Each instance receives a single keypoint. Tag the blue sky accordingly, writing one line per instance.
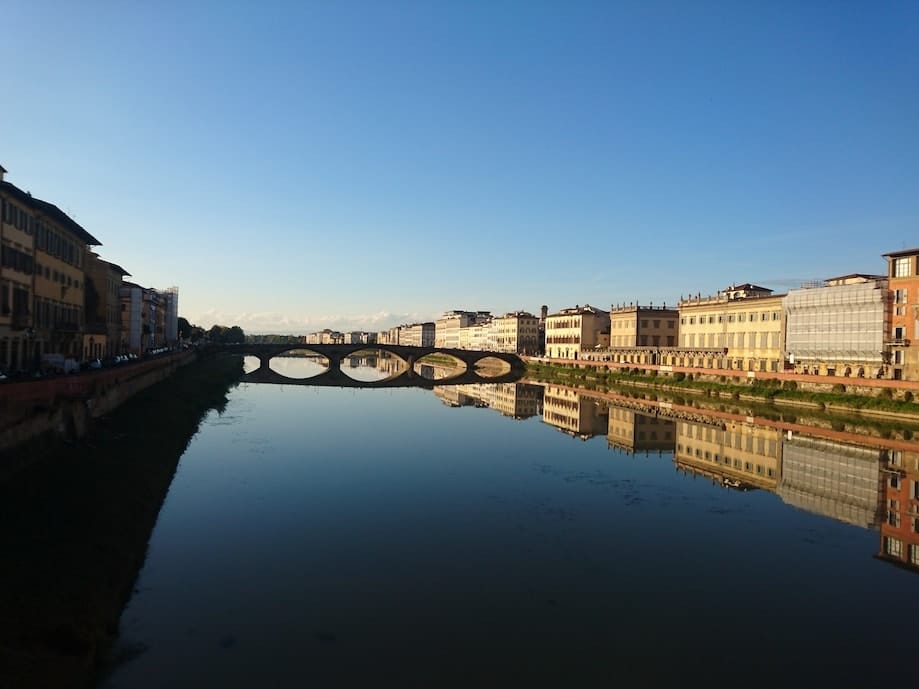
(299, 165)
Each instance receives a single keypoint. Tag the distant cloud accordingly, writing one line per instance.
(284, 324)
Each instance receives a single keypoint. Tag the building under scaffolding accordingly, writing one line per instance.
(838, 328)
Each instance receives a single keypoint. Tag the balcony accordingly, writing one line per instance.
(897, 342)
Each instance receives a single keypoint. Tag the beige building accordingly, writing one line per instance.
(643, 326)
(573, 413)
(738, 455)
(902, 338)
(17, 231)
(838, 327)
(478, 336)
(745, 322)
(417, 335)
(575, 331)
(516, 332)
(635, 432)
(447, 328)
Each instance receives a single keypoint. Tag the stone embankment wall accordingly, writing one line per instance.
(66, 405)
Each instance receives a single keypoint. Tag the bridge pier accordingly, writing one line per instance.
(264, 362)
(334, 363)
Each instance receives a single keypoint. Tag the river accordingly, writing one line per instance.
(519, 535)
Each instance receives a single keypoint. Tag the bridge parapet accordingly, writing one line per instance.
(335, 353)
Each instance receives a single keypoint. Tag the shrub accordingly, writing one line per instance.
(839, 387)
(679, 376)
(907, 396)
(886, 393)
(790, 385)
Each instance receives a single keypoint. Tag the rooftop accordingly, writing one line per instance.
(902, 252)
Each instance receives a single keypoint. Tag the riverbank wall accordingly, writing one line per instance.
(65, 406)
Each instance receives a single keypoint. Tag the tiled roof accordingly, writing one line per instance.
(51, 211)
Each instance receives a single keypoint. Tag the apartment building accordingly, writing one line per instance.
(643, 326)
(902, 338)
(574, 331)
(148, 317)
(17, 237)
(60, 249)
(417, 335)
(516, 332)
(479, 336)
(102, 334)
(838, 327)
(746, 322)
(447, 328)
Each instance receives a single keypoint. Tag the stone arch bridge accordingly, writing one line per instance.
(336, 353)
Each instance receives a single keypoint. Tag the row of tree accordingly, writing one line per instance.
(217, 333)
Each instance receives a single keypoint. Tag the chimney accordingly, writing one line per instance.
(2, 172)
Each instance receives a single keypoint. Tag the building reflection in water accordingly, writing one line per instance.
(634, 432)
(578, 415)
(867, 483)
(833, 479)
(733, 454)
(515, 400)
(900, 508)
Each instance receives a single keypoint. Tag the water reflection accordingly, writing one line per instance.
(390, 537)
(869, 482)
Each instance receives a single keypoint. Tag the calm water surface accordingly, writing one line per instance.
(319, 537)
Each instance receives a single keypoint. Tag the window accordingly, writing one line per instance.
(900, 296)
(894, 481)
(914, 554)
(901, 267)
(893, 546)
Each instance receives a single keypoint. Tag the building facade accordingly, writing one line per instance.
(643, 326)
(447, 327)
(17, 231)
(745, 322)
(516, 332)
(902, 337)
(839, 327)
(574, 331)
(417, 335)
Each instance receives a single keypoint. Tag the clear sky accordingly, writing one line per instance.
(298, 165)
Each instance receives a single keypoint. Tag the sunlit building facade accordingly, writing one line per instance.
(744, 322)
(572, 332)
(902, 336)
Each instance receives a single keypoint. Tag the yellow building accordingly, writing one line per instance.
(738, 455)
(447, 328)
(516, 332)
(902, 339)
(17, 231)
(643, 326)
(635, 432)
(573, 413)
(60, 248)
(745, 320)
(570, 333)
